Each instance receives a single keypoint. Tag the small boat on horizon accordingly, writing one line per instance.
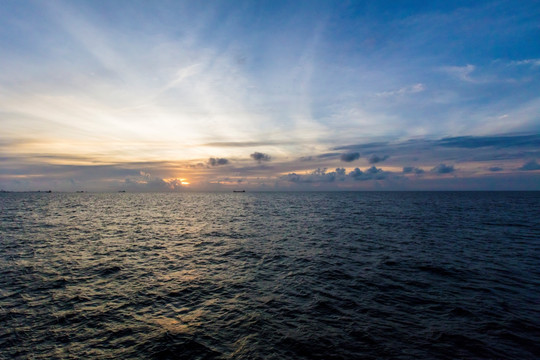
(239, 190)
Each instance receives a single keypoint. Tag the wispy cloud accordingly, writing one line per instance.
(413, 89)
(251, 144)
(531, 62)
(462, 73)
(330, 155)
(490, 141)
(194, 88)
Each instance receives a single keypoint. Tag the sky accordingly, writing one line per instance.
(269, 95)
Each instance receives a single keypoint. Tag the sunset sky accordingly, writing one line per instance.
(269, 95)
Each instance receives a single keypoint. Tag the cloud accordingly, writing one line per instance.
(465, 142)
(154, 184)
(412, 170)
(495, 169)
(322, 176)
(443, 169)
(376, 159)
(156, 176)
(372, 145)
(144, 175)
(351, 156)
(319, 175)
(217, 161)
(531, 62)
(89, 172)
(327, 155)
(486, 141)
(230, 180)
(246, 96)
(370, 174)
(416, 88)
(461, 72)
(530, 166)
(453, 149)
(199, 165)
(146, 182)
(258, 169)
(259, 157)
(330, 155)
(247, 143)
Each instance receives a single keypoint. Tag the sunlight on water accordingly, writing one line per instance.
(270, 275)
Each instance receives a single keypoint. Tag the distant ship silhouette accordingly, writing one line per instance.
(239, 190)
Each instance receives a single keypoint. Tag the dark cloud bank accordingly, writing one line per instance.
(472, 142)
(456, 149)
(464, 142)
(322, 175)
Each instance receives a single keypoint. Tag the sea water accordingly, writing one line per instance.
(314, 275)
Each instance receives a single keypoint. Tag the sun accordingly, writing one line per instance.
(175, 182)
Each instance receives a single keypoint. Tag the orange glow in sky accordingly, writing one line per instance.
(202, 91)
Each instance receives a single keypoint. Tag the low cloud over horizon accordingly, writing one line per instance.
(414, 165)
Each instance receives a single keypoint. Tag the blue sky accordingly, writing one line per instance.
(270, 95)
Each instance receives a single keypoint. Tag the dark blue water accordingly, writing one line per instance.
(349, 275)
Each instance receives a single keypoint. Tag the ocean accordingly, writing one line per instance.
(270, 275)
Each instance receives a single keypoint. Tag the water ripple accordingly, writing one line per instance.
(270, 276)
